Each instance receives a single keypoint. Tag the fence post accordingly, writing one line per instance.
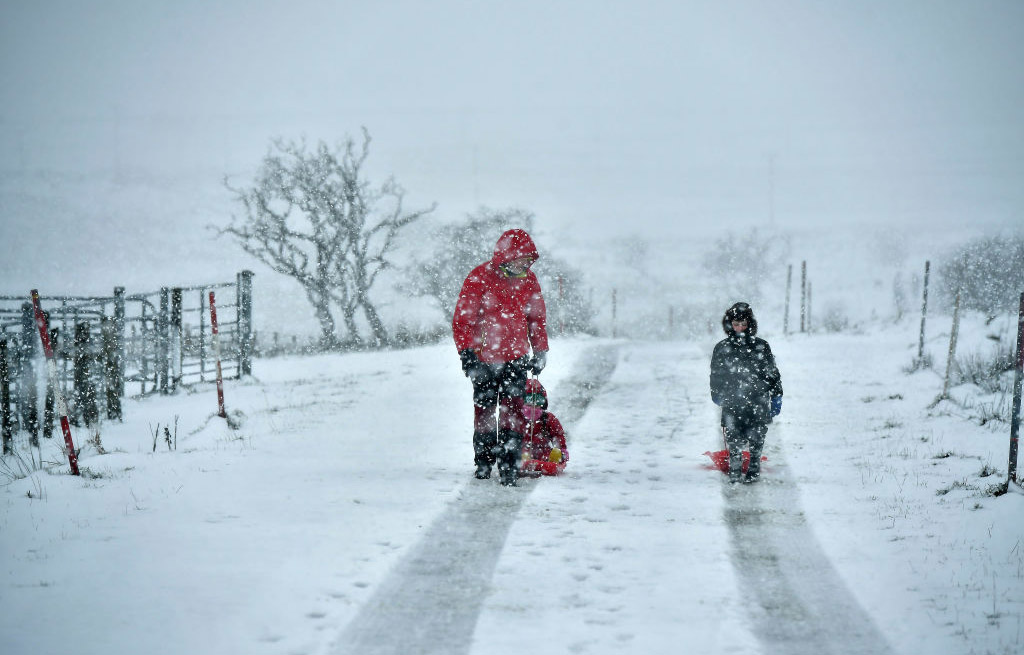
(202, 335)
(1017, 375)
(85, 390)
(951, 360)
(143, 360)
(49, 415)
(51, 369)
(924, 313)
(809, 307)
(111, 367)
(119, 341)
(245, 332)
(28, 407)
(176, 337)
(216, 353)
(614, 309)
(163, 347)
(789, 285)
(803, 295)
(5, 400)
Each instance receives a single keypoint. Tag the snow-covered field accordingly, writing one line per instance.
(341, 515)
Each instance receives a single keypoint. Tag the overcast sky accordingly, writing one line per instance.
(633, 114)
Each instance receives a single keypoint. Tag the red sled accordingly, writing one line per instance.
(720, 458)
(534, 468)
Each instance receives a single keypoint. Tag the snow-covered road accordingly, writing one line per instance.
(431, 601)
(641, 549)
(795, 598)
(681, 559)
(342, 518)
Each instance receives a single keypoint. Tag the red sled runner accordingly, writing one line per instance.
(720, 458)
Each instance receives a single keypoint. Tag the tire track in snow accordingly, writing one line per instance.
(430, 602)
(799, 604)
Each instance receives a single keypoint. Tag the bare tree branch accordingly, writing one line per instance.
(311, 215)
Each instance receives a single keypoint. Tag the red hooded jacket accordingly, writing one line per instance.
(542, 435)
(497, 316)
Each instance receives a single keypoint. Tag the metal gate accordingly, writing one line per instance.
(110, 346)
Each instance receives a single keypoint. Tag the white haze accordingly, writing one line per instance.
(663, 122)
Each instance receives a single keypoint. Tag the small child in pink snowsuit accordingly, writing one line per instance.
(544, 448)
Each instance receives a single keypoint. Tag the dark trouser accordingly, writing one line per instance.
(498, 421)
(740, 431)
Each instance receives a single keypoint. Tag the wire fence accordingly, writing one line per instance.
(107, 347)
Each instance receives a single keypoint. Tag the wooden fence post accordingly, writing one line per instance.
(803, 295)
(85, 389)
(176, 352)
(785, 315)
(202, 335)
(28, 407)
(49, 415)
(143, 360)
(163, 345)
(951, 360)
(1017, 375)
(5, 401)
(41, 321)
(216, 353)
(111, 367)
(245, 331)
(614, 310)
(809, 306)
(119, 341)
(924, 313)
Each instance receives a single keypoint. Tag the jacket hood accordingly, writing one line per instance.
(533, 385)
(514, 244)
(739, 311)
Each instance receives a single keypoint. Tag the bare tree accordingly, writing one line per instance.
(464, 245)
(743, 262)
(988, 271)
(311, 215)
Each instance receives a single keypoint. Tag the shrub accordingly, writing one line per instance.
(989, 273)
(987, 371)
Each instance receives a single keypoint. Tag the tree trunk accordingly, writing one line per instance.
(380, 333)
(322, 310)
(349, 316)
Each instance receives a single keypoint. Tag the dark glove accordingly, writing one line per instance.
(470, 361)
(539, 361)
(776, 405)
(715, 399)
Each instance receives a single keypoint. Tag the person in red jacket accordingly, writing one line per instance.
(544, 448)
(499, 319)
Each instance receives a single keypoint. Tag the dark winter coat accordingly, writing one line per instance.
(744, 377)
(500, 318)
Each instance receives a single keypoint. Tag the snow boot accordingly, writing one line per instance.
(484, 445)
(509, 477)
(509, 453)
(754, 468)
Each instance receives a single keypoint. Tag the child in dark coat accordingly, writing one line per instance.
(746, 384)
(544, 448)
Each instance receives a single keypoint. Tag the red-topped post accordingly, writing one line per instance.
(51, 370)
(216, 353)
